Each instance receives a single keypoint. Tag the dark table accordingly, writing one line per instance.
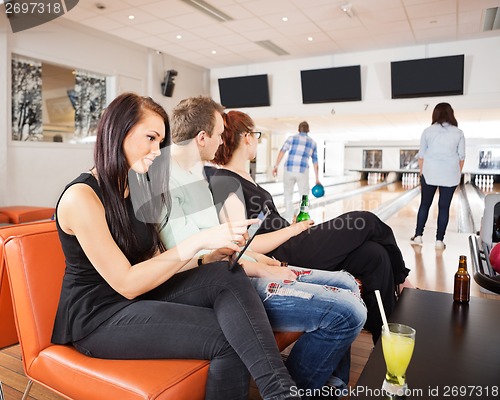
(457, 349)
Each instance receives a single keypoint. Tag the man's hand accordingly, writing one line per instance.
(217, 255)
(260, 270)
(278, 273)
(263, 259)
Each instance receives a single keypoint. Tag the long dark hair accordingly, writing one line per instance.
(122, 114)
(444, 113)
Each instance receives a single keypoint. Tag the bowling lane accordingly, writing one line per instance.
(490, 188)
(433, 269)
(322, 211)
(276, 189)
(430, 269)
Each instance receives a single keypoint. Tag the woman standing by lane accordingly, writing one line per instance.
(441, 159)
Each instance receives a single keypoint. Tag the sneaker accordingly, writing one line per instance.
(417, 240)
(440, 245)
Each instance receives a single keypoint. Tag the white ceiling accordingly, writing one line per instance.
(377, 24)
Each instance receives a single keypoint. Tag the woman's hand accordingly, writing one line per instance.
(299, 227)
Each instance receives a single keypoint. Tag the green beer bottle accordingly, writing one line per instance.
(303, 214)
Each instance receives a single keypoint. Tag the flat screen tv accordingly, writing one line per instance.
(331, 85)
(244, 91)
(428, 77)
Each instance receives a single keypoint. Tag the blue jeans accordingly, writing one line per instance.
(426, 198)
(327, 307)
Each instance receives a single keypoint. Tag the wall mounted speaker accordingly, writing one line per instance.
(168, 84)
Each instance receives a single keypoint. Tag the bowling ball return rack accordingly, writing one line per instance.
(480, 246)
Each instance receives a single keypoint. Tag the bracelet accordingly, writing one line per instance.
(200, 260)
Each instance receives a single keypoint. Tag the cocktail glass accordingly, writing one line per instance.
(397, 343)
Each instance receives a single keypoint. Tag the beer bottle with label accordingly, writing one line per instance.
(461, 289)
(303, 214)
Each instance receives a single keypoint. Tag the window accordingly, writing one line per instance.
(52, 103)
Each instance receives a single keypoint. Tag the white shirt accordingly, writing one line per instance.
(442, 147)
(192, 208)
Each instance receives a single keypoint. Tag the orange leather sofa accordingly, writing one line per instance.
(8, 334)
(23, 214)
(35, 263)
(4, 218)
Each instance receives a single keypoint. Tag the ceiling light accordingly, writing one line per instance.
(179, 37)
(268, 45)
(310, 38)
(208, 9)
(131, 17)
(347, 9)
(284, 19)
(214, 52)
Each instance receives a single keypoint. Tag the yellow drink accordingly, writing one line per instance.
(397, 346)
(397, 354)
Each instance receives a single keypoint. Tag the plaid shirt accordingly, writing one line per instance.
(300, 147)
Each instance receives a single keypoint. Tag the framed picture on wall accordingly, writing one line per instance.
(489, 158)
(372, 159)
(408, 159)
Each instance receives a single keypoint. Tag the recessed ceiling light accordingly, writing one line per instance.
(310, 38)
(284, 19)
(214, 52)
(347, 9)
(179, 37)
(131, 17)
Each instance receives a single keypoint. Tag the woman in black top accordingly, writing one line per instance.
(358, 241)
(125, 297)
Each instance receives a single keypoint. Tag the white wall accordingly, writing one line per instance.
(481, 91)
(3, 111)
(481, 80)
(35, 173)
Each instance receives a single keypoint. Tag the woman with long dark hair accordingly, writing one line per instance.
(125, 297)
(441, 159)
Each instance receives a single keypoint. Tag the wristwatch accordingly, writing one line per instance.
(200, 260)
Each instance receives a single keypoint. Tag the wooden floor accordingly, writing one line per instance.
(430, 270)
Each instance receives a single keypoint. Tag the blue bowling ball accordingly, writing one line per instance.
(318, 190)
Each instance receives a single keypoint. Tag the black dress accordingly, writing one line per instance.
(357, 242)
(86, 299)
